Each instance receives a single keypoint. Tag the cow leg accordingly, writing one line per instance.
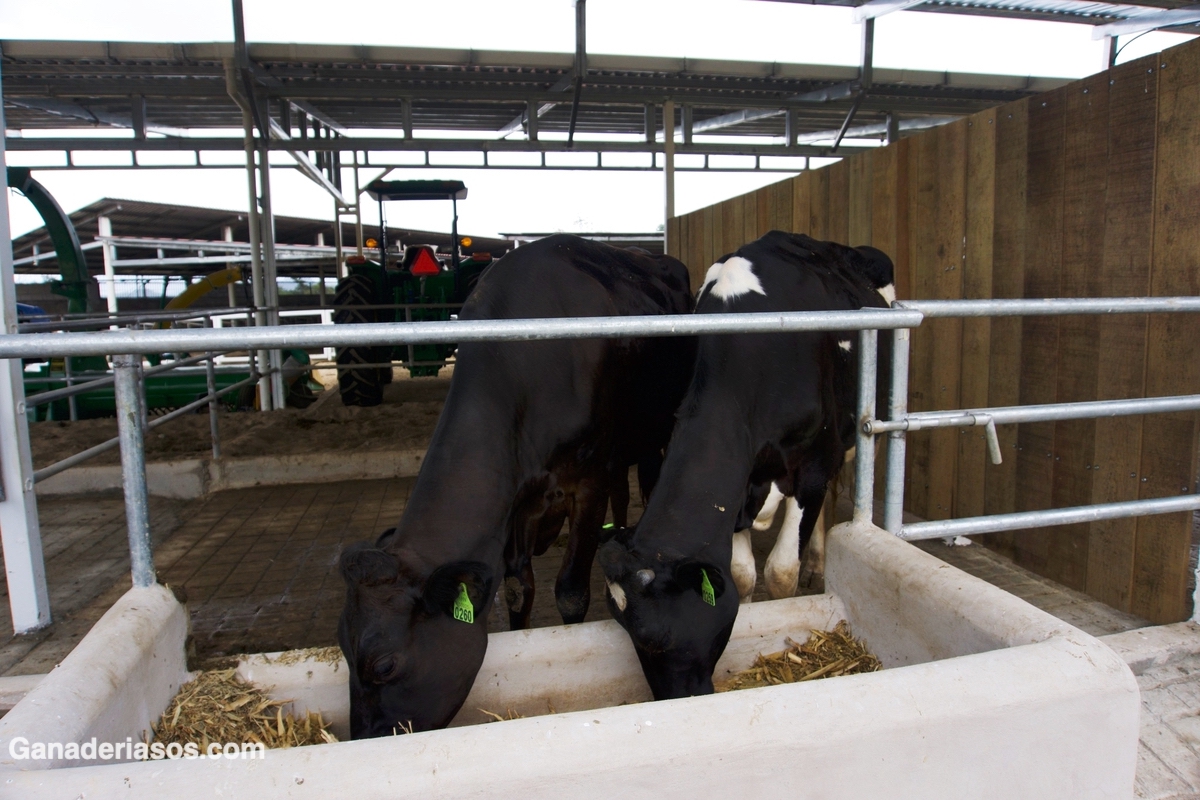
(782, 572)
(742, 566)
(572, 590)
(812, 564)
(766, 515)
(518, 593)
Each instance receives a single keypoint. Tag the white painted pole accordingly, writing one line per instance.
(227, 234)
(669, 163)
(24, 566)
(110, 274)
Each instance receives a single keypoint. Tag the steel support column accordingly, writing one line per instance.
(24, 565)
(270, 271)
(131, 428)
(864, 453)
(256, 269)
(669, 163)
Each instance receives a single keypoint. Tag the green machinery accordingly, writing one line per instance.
(422, 286)
(170, 390)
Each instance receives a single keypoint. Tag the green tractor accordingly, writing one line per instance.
(425, 285)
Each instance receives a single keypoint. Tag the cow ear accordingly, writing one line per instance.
(693, 576)
(615, 559)
(459, 590)
(365, 565)
(385, 537)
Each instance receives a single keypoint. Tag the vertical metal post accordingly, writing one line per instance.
(337, 246)
(256, 270)
(133, 467)
(411, 353)
(72, 406)
(24, 566)
(358, 231)
(893, 503)
(454, 259)
(227, 235)
(893, 128)
(104, 224)
(531, 125)
(270, 273)
(669, 161)
(211, 374)
(864, 454)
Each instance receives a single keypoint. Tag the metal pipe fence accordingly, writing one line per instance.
(125, 345)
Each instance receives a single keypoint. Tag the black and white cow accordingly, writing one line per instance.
(532, 434)
(763, 412)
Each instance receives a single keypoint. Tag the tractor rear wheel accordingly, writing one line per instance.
(359, 386)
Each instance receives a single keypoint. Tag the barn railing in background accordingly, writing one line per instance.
(126, 345)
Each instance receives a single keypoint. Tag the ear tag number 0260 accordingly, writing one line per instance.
(463, 610)
(706, 589)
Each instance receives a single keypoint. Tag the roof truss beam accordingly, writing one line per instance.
(1148, 22)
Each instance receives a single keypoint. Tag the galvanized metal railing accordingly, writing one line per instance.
(126, 345)
(901, 421)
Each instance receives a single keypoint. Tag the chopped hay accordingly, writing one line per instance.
(826, 654)
(323, 655)
(219, 707)
(492, 716)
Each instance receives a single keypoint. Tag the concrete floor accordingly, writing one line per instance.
(258, 570)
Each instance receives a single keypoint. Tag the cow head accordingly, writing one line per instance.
(413, 641)
(677, 612)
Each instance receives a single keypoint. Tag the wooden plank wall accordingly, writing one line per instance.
(1090, 190)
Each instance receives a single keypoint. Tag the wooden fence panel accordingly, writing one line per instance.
(976, 283)
(1085, 172)
(1039, 347)
(1121, 341)
(801, 202)
(1169, 440)
(1008, 281)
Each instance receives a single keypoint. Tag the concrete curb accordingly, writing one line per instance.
(188, 479)
(1146, 648)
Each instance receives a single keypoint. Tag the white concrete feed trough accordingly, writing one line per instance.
(982, 696)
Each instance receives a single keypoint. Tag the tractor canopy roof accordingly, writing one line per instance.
(417, 190)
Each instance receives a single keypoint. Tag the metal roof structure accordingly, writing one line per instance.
(476, 100)
(1145, 14)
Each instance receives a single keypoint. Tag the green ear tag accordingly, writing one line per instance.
(706, 590)
(606, 526)
(464, 611)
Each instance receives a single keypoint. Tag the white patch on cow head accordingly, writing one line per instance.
(732, 278)
(645, 577)
(618, 595)
(845, 345)
(888, 293)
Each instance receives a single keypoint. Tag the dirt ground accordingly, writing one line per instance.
(404, 421)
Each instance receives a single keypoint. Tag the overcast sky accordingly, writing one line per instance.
(529, 200)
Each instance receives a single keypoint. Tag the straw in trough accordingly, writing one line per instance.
(826, 654)
(219, 707)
